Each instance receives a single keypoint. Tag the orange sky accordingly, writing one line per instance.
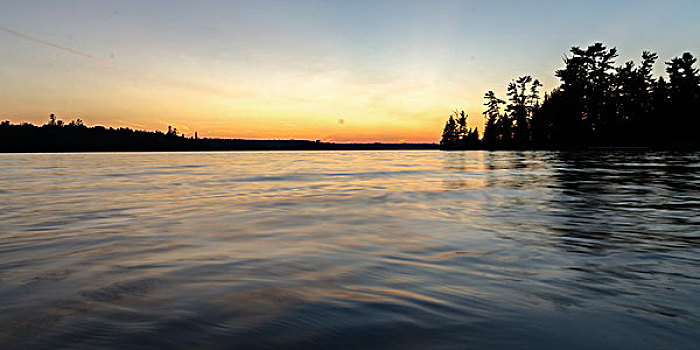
(265, 102)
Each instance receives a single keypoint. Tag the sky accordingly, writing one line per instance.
(343, 71)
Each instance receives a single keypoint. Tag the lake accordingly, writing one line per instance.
(355, 249)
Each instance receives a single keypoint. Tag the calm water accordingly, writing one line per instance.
(407, 249)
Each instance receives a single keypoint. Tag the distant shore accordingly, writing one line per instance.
(239, 145)
(74, 136)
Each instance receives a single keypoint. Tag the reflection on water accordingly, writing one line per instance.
(411, 249)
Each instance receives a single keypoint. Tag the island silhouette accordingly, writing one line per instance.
(597, 105)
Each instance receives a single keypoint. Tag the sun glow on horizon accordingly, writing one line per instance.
(269, 103)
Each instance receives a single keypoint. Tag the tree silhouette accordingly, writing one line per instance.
(492, 134)
(684, 96)
(449, 134)
(457, 135)
(523, 102)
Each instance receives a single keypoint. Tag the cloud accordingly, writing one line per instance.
(62, 48)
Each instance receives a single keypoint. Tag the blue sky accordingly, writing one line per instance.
(392, 70)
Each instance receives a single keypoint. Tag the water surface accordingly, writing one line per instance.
(386, 249)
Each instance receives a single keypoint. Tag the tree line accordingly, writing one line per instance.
(59, 136)
(75, 136)
(597, 104)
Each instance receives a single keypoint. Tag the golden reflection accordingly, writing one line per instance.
(397, 294)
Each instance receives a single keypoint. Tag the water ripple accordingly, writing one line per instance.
(380, 249)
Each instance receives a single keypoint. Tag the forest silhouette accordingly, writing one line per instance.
(57, 136)
(75, 136)
(597, 104)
